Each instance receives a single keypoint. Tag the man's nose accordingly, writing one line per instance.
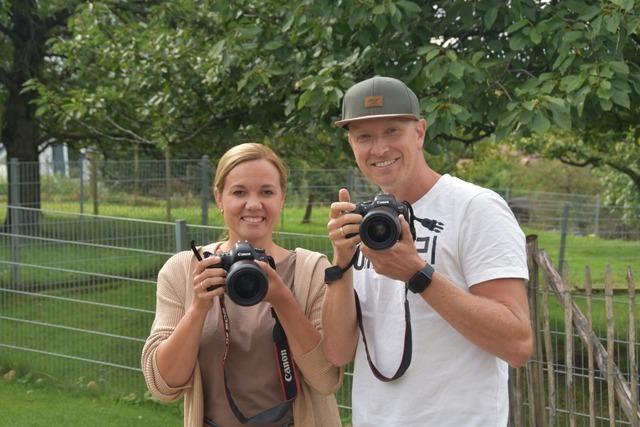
(379, 147)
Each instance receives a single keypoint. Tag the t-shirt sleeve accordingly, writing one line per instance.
(492, 244)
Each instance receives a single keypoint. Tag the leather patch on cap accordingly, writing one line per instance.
(373, 101)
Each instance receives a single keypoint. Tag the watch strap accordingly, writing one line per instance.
(335, 272)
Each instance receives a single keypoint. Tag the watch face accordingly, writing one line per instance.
(421, 280)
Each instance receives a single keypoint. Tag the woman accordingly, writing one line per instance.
(185, 350)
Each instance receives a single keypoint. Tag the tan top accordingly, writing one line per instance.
(250, 356)
(315, 405)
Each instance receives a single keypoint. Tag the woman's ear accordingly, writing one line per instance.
(217, 195)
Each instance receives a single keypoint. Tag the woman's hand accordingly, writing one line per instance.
(277, 292)
(208, 282)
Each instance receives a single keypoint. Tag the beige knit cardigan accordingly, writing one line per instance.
(315, 405)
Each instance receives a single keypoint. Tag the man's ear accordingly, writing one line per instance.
(421, 130)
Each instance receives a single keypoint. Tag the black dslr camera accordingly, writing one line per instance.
(380, 228)
(246, 283)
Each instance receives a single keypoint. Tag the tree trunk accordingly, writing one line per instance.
(307, 212)
(20, 133)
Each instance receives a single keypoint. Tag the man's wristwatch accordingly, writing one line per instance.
(421, 280)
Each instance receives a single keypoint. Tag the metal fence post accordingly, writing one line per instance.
(563, 235)
(94, 181)
(81, 167)
(181, 235)
(204, 188)
(167, 180)
(15, 219)
(596, 230)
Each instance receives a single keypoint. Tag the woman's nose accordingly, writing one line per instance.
(254, 203)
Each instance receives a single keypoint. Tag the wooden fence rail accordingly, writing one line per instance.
(535, 402)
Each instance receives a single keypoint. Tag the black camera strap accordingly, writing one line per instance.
(406, 352)
(286, 370)
(433, 225)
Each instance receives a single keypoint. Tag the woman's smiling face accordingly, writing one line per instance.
(251, 200)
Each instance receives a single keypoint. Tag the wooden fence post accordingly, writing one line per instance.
(568, 333)
(536, 390)
(608, 297)
(548, 350)
(592, 387)
(633, 371)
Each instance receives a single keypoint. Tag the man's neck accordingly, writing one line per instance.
(419, 186)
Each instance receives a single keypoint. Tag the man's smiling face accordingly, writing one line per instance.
(388, 151)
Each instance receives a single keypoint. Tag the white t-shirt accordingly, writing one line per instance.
(451, 381)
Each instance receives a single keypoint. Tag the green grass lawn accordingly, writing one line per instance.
(30, 405)
(28, 401)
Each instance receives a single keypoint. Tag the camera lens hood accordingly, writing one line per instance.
(380, 228)
(246, 283)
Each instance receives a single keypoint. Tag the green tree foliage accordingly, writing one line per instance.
(199, 76)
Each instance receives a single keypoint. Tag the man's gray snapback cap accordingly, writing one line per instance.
(379, 97)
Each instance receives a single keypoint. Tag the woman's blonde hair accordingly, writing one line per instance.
(245, 153)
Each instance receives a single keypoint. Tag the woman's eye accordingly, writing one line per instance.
(238, 193)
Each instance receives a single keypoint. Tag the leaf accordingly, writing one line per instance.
(571, 83)
(621, 98)
(456, 69)
(517, 26)
(490, 17)
(619, 67)
(535, 36)
(304, 99)
(378, 10)
(540, 123)
(409, 6)
(612, 22)
(517, 42)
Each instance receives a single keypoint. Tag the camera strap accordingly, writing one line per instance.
(286, 369)
(431, 224)
(406, 352)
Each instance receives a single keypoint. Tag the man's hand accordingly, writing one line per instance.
(400, 261)
(341, 224)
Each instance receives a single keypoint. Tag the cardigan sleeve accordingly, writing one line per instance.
(171, 294)
(316, 370)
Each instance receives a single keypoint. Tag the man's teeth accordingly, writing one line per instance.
(383, 164)
(252, 218)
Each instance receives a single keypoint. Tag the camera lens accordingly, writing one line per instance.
(246, 283)
(380, 229)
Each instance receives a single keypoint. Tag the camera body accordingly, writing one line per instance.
(380, 227)
(246, 283)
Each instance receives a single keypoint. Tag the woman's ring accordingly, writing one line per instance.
(342, 232)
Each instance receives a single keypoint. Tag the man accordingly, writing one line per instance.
(469, 315)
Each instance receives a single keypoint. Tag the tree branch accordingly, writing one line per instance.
(635, 177)
(129, 132)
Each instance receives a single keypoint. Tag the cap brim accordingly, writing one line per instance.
(341, 123)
